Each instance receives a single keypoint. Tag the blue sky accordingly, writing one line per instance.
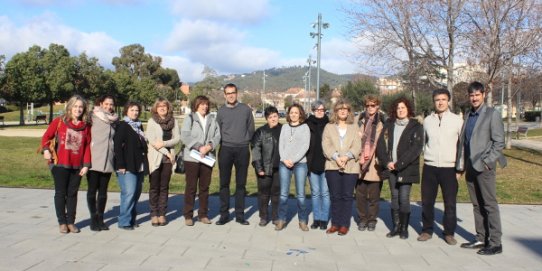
(231, 36)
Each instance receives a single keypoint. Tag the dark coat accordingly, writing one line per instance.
(315, 156)
(264, 147)
(409, 148)
(130, 149)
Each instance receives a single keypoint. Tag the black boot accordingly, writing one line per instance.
(91, 202)
(395, 222)
(315, 224)
(102, 200)
(94, 223)
(403, 221)
(101, 224)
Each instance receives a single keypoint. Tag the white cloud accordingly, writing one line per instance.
(45, 29)
(218, 46)
(244, 11)
(188, 71)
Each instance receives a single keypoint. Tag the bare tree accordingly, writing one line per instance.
(500, 31)
(388, 28)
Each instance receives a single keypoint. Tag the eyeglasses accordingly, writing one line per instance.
(230, 93)
(371, 105)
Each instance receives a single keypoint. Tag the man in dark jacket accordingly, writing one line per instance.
(266, 160)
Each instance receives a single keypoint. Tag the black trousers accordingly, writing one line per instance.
(97, 191)
(341, 191)
(269, 189)
(228, 157)
(67, 183)
(159, 189)
(432, 178)
(400, 194)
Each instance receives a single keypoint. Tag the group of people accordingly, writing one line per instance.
(344, 157)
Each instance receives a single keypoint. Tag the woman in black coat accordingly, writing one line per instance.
(131, 164)
(398, 150)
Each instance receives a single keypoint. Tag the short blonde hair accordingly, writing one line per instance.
(71, 103)
(339, 105)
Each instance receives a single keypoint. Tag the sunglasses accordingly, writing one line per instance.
(230, 93)
(371, 105)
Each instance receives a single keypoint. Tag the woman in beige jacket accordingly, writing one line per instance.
(341, 146)
(371, 122)
(162, 134)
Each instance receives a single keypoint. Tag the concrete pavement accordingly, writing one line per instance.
(29, 240)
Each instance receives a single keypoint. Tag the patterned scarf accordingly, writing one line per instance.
(136, 125)
(368, 140)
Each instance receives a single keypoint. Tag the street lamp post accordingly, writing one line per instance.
(310, 61)
(263, 91)
(319, 25)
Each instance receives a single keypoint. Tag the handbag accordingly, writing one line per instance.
(179, 168)
(51, 146)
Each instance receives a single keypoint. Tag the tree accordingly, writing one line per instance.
(325, 92)
(288, 101)
(355, 91)
(137, 70)
(91, 80)
(389, 27)
(500, 31)
(59, 70)
(25, 78)
(210, 86)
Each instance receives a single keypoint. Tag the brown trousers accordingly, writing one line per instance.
(159, 189)
(367, 197)
(194, 172)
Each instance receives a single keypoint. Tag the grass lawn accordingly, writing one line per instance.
(21, 166)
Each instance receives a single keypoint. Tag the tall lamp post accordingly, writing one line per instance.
(263, 92)
(318, 25)
(310, 61)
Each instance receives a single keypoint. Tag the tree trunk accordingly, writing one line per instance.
(509, 113)
(489, 95)
(21, 115)
(51, 111)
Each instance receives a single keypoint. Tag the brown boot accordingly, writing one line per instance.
(63, 228)
(73, 229)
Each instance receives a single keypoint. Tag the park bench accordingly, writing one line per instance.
(2, 120)
(39, 118)
(522, 130)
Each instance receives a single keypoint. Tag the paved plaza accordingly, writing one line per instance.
(29, 240)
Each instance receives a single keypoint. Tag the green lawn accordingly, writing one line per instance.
(21, 166)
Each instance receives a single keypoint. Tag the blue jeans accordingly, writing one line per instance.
(320, 196)
(130, 190)
(300, 173)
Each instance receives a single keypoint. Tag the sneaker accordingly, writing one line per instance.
(189, 222)
(424, 237)
(371, 226)
(303, 226)
(263, 222)
(362, 226)
(205, 220)
(450, 240)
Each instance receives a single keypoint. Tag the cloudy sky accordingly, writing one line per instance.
(231, 36)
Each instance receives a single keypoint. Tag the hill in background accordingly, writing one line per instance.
(281, 79)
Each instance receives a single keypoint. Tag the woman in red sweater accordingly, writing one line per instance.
(72, 134)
